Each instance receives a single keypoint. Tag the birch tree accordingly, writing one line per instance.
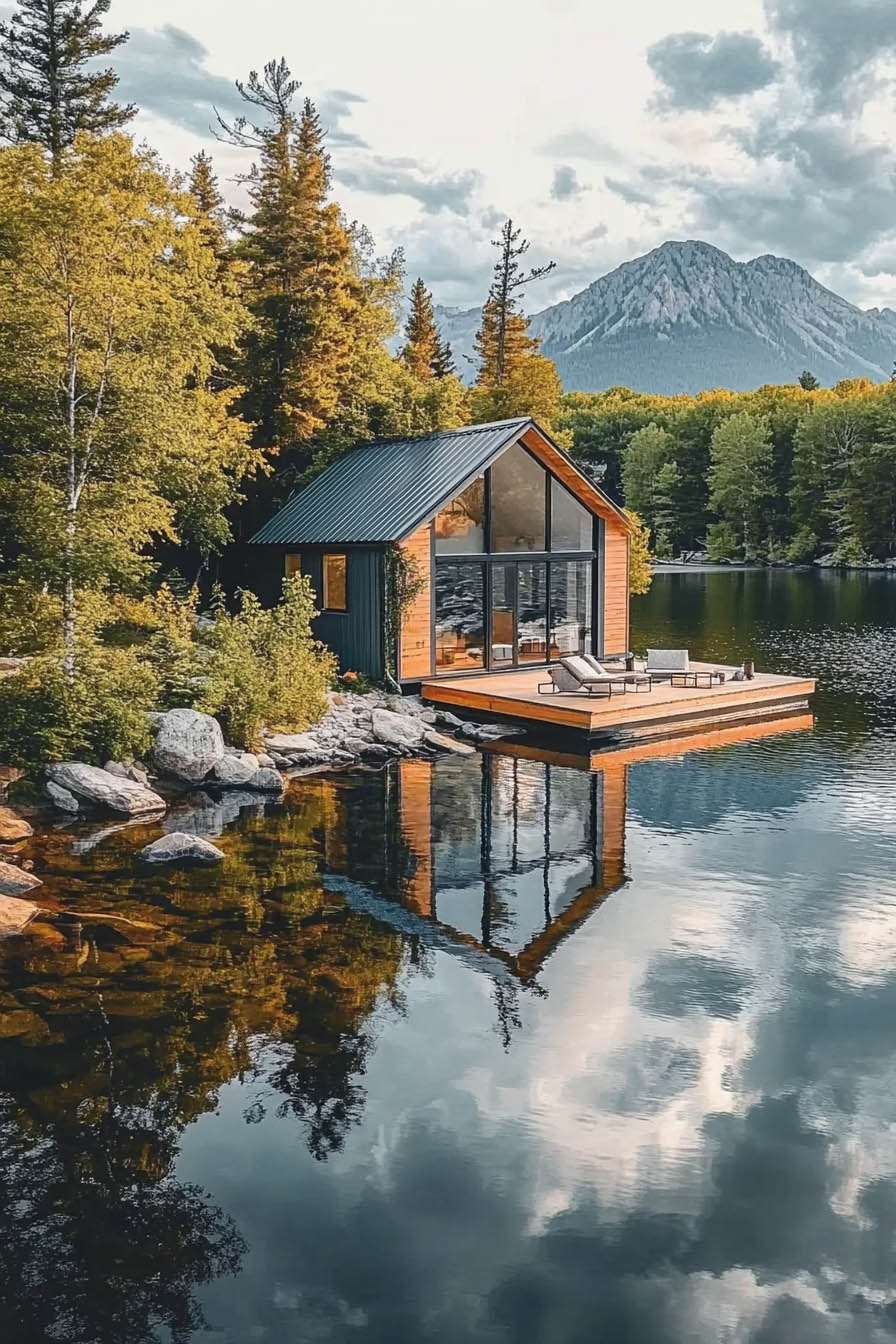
(112, 434)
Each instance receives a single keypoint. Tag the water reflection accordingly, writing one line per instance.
(516, 1047)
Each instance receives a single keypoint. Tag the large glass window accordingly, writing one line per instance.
(460, 527)
(518, 502)
(571, 607)
(460, 615)
(532, 599)
(571, 524)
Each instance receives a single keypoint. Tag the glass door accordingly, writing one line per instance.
(532, 611)
(502, 645)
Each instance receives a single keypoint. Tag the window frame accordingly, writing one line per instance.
(325, 595)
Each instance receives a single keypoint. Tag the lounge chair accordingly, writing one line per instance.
(640, 680)
(573, 675)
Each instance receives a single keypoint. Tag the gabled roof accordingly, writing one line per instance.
(384, 490)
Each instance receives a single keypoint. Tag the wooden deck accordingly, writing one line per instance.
(663, 711)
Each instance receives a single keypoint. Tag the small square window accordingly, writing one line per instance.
(335, 582)
(292, 564)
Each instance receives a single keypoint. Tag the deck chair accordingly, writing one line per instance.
(640, 680)
(574, 676)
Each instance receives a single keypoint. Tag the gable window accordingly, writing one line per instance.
(335, 582)
(460, 526)
(518, 485)
(292, 564)
(571, 523)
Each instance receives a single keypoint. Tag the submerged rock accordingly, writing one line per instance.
(178, 847)
(13, 827)
(14, 881)
(90, 784)
(16, 915)
(188, 744)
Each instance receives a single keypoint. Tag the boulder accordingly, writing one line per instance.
(188, 744)
(90, 784)
(442, 743)
(178, 847)
(448, 720)
(265, 761)
(266, 781)
(232, 771)
(116, 768)
(60, 797)
(15, 915)
(14, 881)
(291, 744)
(397, 730)
(13, 827)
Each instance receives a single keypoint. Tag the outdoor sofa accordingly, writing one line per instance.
(673, 665)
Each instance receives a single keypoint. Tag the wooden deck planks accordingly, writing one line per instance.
(514, 695)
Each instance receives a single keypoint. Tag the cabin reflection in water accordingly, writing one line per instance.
(503, 854)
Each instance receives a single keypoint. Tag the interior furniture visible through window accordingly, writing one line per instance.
(514, 579)
(335, 582)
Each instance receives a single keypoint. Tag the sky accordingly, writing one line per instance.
(602, 129)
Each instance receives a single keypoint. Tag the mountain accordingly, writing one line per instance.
(686, 316)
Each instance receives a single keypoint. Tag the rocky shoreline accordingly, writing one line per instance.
(192, 772)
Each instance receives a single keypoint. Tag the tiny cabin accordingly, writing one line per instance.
(518, 557)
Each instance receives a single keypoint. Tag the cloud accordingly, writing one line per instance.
(818, 190)
(580, 145)
(629, 192)
(697, 70)
(333, 106)
(566, 184)
(836, 43)
(408, 177)
(163, 72)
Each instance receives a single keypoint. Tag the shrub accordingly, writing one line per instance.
(803, 547)
(99, 713)
(264, 668)
(850, 551)
(29, 618)
(722, 542)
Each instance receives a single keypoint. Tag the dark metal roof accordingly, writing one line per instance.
(383, 490)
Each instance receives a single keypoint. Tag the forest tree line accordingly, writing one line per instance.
(787, 473)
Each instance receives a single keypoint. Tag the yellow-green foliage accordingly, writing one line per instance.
(640, 574)
(98, 713)
(265, 669)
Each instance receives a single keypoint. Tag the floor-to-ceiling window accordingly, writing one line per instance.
(514, 570)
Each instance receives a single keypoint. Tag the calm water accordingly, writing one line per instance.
(502, 1050)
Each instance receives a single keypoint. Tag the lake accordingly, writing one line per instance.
(500, 1049)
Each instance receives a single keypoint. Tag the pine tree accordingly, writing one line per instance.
(49, 88)
(306, 291)
(421, 334)
(443, 365)
(211, 213)
(808, 382)
(502, 338)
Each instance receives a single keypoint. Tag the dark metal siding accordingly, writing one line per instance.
(355, 635)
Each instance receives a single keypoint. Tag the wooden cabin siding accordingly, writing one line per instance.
(415, 649)
(615, 583)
